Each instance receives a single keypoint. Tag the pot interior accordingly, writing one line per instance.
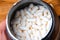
(19, 6)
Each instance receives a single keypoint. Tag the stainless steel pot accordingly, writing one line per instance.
(20, 5)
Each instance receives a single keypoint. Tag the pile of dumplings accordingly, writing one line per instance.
(32, 23)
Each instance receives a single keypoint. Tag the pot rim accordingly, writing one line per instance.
(7, 20)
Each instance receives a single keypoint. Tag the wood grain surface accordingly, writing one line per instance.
(5, 6)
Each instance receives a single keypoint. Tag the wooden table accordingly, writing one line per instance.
(5, 5)
(4, 8)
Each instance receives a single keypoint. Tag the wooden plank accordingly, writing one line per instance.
(4, 9)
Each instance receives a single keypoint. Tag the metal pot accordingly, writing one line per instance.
(20, 5)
